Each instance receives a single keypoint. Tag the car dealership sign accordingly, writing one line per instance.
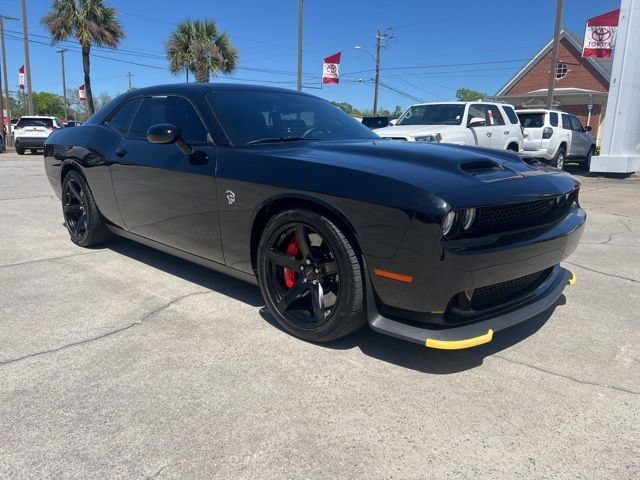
(331, 69)
(600, 35)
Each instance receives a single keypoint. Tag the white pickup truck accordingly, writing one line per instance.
(467, 123)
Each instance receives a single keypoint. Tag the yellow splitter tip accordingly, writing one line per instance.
(460, 344)
(572, 278)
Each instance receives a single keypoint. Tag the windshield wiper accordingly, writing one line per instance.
(277, 140)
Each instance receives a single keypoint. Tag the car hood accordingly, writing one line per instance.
(436, 168)
(414, 130)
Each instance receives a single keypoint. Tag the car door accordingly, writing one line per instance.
(581, 142)
(567, 132)
(163, 194)
(500, 131)
(479, 135)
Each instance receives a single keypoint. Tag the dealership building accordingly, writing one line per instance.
(581, 88)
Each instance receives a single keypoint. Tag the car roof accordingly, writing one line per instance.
(216, 87)
(536, 110)
(37, 116)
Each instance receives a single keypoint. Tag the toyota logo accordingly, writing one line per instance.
(601, 34)
(332, 69)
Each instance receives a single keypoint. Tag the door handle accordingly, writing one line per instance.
(121, 152)
(488, 134)
(507, 132)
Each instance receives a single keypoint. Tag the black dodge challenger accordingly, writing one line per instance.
(437, 244)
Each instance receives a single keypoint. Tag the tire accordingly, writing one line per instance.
(558, 160)
(81, 216)
(587, 160)
(20, 151)
(321, 296)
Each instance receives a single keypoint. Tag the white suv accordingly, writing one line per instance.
(556, 136)
(31, 132)
(466, 123)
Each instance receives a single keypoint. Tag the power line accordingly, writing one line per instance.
(442, 65)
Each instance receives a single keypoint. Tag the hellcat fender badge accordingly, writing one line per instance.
(231, 197)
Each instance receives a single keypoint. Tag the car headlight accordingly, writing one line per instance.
(447, 223)
(428, 138)
(469, 218)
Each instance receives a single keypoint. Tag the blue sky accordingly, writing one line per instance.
(433, 35)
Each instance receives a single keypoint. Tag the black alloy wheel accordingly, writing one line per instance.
(81, 216)
(74, 208)
(310, 276)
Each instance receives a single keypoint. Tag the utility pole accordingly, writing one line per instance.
(300, 17)
(129, 75)
(554, 55)
(4, 74)
(382, 41)
(27, 61)
(64, 84)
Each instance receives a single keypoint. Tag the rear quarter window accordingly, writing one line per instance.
(511, 115)
(553, 119)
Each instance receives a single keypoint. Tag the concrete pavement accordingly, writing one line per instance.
(124, 362)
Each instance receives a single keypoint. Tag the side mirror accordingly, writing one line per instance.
(393, 122)
(587, 128)
(477, 122)
(168, 133)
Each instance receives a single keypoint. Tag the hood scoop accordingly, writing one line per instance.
(488, 171)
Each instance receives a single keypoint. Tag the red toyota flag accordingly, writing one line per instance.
(21, 78)
(331, 69)
(600, 35)
(82, 95)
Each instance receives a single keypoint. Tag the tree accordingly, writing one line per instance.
(197, 46)
(348, 108)
(48, 104)
(467, 95)
(91, 22)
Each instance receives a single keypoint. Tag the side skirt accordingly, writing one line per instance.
(218, 267)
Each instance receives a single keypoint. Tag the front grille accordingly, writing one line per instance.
(397, 138)
(509, 290)
(513, 215)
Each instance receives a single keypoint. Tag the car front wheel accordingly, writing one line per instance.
(310, 276)
(81, 216)
(20, 151)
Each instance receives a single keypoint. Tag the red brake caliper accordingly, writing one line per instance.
(290, 275)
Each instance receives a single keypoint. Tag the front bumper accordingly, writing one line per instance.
(477, 333)
(30, 142)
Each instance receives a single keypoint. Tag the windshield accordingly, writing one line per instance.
(249, 116)
(34, 122)
(435, 114)
(531, 120)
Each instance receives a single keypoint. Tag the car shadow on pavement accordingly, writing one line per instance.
(191, 272)
(438, 362)
(373, 344)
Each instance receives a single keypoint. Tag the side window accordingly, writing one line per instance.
(175, 110)
(493, 115)
(513, 118)
(121, 120)
(577, 126)
(476, 111)
(553, 119)
(566, 122)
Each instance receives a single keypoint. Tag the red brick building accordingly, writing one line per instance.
(582, 84)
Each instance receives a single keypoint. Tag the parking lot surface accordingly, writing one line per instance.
(124, 362)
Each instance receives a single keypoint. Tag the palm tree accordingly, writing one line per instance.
(91, 22)
(197, 46)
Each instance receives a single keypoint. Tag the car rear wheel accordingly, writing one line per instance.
(20, 151)
(558, 160)
(81, 216)
(310, 276)
(587, 160)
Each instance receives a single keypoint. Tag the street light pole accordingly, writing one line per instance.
(64, 84)
(554, 56)
(27, 61)
(300, 24)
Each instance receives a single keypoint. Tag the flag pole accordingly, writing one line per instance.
(300, 23)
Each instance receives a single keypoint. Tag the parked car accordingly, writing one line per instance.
(375, 122)
(72, 123)
(465, 123)
(555, 136)
(440, 245)
(31, 132)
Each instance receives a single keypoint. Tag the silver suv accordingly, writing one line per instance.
(555, 136)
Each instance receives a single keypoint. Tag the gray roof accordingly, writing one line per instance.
(602, 66)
